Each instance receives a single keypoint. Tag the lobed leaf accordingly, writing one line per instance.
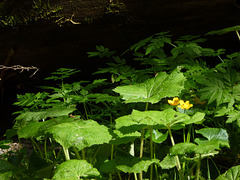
(153, 90)
(80, 134)
(74, 170)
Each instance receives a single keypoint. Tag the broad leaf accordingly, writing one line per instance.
(143, 119)
(168, 162)
(74, 170)
(80, 134)
(37, 129)
(128, 164)
(24, 118)
(153, 90)
(124, 138)
(215, 136)
(135, 165)
(182, 148)
(232, 174)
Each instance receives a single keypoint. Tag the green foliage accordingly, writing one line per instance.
(153, 90)
(75, 169)
(122, 125)
(231, 174)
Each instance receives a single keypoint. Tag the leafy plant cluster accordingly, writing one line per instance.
(135, 126)
(27, 13)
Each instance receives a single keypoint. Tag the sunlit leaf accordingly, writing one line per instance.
(153, 90)
(182, 148)
(157, 119)
(80, 134)
(168, 162)
(74, 170)
(121, 138)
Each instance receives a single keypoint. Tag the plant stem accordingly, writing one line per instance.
(77, 153)
(238, 35)
(155, 165)
(85, 109)
(177, 158)
(45, 149)
(198, 168)
(39, 150)
(66, 153)
(83, 154)
(141, 150)
(151, 153)
(189, 133)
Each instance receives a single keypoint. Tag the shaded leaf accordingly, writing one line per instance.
(213, 135)
(232, 174)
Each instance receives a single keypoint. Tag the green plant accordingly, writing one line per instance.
(127, 126)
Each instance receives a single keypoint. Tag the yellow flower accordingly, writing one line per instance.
(174, 102)
(185, 105)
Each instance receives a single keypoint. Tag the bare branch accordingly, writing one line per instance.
(21, 68)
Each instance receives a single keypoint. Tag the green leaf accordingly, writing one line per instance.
(225, 30)
(214, 135)
(157, 136)
(140, 44)
(6, 170)
(153, 90)
(31, 130)
(74, 170)
(182, 148)
(143, 119)
(80, 134)
(215, 90)
(24, 118)
(197, 118)
(134, 165)
(232, 174)
(37, 129)
(124, 138)
(168, 162)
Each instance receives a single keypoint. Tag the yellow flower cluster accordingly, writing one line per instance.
(183, 105)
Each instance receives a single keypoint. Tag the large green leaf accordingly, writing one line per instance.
(37, 129)
(206, 149)
(74, 170)
(121, 138)
(128, 164)
(153, 90)
(182, 148)
(215, 136)
(24, 118)
(143, 119)
(80, 134)
(232, 174)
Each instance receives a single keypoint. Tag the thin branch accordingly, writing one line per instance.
(21, 68)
